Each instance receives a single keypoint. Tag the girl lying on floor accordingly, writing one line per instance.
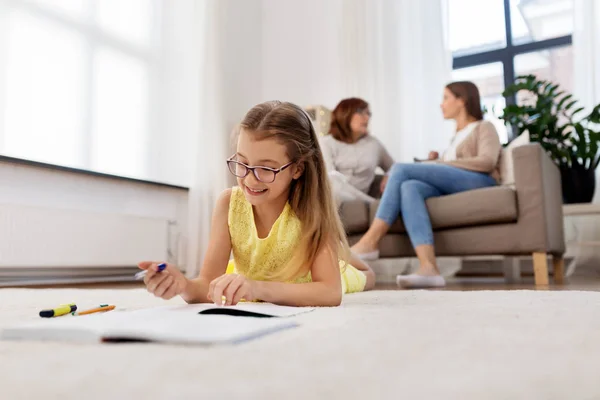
(281, 223)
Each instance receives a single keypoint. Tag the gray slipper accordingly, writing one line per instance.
(414, 281)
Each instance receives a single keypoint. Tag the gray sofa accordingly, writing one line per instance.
(526, 219)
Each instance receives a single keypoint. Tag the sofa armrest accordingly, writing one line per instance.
(539, 196)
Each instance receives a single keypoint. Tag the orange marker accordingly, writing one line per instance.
(102, 308)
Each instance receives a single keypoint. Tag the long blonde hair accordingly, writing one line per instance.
(310, 195)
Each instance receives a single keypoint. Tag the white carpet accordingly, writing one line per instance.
(387, 344)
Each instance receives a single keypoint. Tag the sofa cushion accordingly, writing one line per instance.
(355, 216)
(475, 207)
(507, 173)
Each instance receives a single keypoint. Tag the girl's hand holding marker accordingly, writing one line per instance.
(166, 281)
(142, 274)
(162, 279)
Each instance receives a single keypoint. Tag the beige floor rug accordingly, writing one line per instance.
(385, 344)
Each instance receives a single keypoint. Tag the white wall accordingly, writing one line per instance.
(301, 41)
(193, 37)
(177, 106)
(41, 187)
(388, 52)
(285, 50)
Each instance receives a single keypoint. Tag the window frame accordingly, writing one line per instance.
(507, 54)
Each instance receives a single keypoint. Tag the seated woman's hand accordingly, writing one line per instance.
(234, 287)
(433, 155)
(383, 183)
(165, 284)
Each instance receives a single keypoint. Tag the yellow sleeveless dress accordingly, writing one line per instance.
(254, 257)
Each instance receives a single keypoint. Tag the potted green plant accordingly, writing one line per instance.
(551, 118)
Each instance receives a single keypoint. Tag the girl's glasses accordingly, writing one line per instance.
(262, 174)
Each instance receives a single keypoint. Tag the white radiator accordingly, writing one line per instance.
(49, 245)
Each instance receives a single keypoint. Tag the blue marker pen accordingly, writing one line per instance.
(142, 274)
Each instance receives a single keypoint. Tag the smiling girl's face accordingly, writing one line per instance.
(272, 155)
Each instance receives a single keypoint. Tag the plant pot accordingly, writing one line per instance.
(578, 184)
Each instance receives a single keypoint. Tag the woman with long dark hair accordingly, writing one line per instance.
(470, 162)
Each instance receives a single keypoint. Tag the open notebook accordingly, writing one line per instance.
(185, 324)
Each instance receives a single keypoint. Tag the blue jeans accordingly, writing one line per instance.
(409, 185)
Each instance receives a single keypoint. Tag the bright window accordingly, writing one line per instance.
(489, 26)
(554, 64)
(494, 41)
(75, 82)
(489, 79)
(119, 112)
(44, 100)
